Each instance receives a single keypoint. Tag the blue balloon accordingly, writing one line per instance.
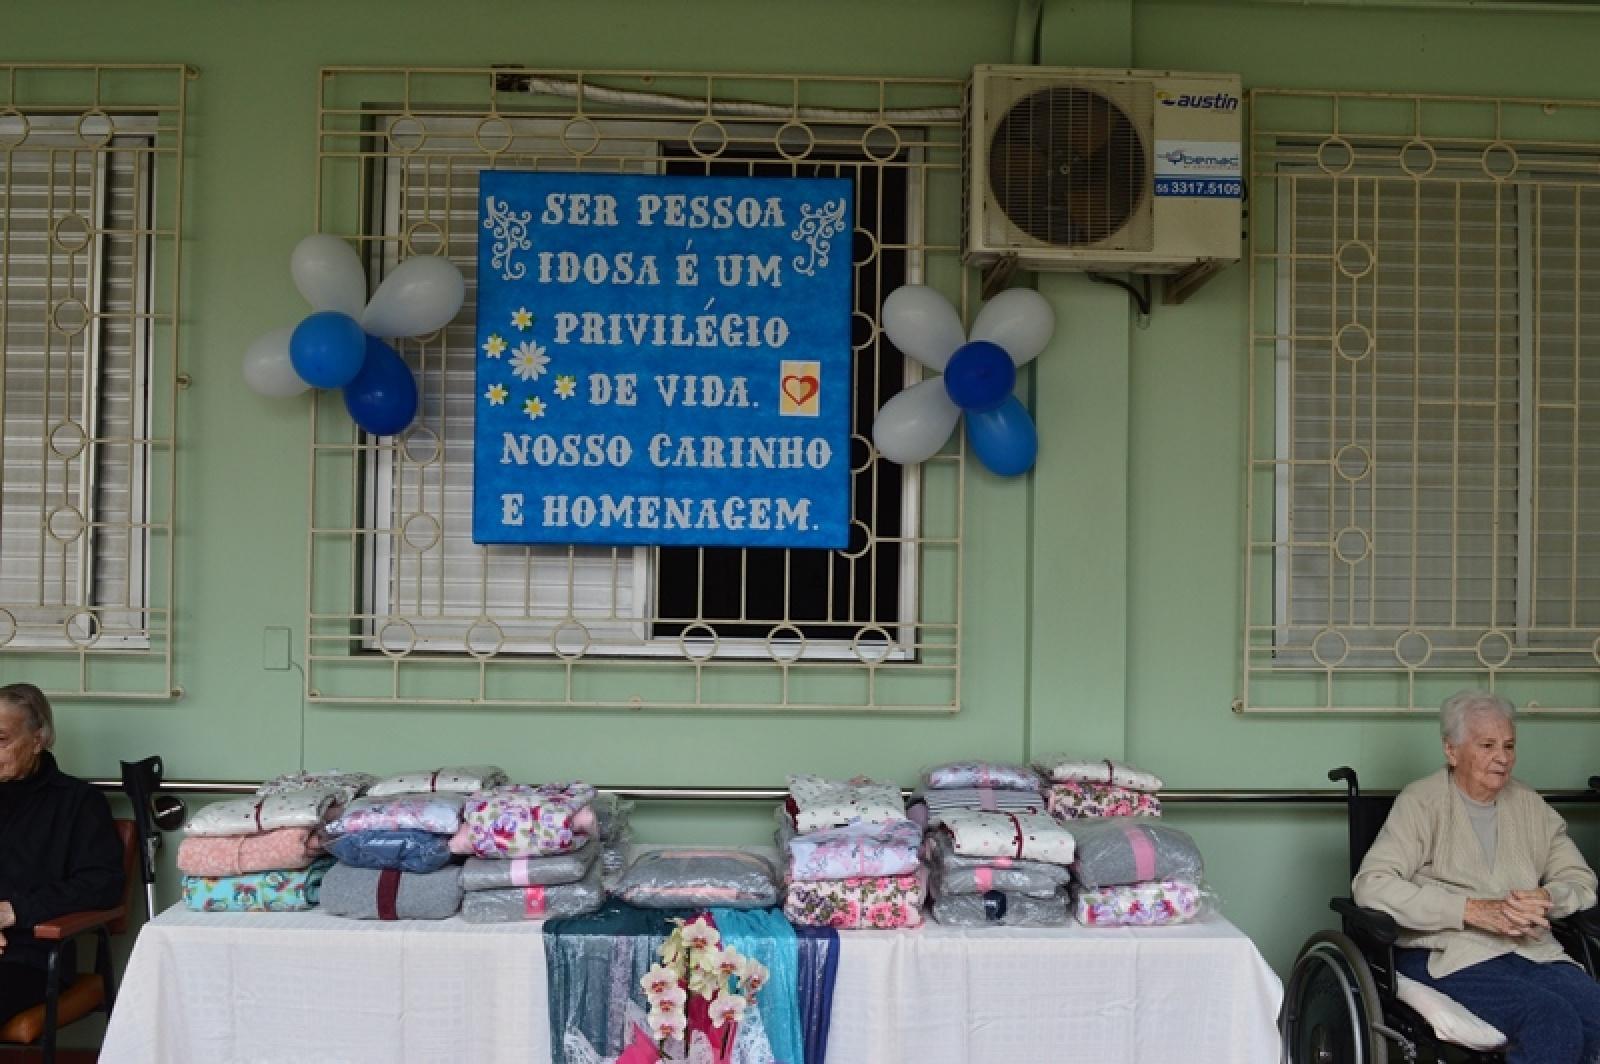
(383, 396)
(327, 349)
(979, 376)
(1004, 438)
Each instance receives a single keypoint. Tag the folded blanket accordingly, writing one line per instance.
(409, 851)
(1063, 769)
(1131, 850)
(462, 779)
(764, 936)
(1000, 909)
(666, 879)
(519, 820)
(1079, 801)
(238, 855)
(261, 892)
(303, 808)
(854, 850)
(882, 902)
(983, 799)
(347, 786)
(1025, 836)
(1151, 904)
(370, 894)
(534, 902)
(982, 880)
(941, 857)
(819, 967)
(485, 873)
(998, 775)
(437, 813)
(816, 804)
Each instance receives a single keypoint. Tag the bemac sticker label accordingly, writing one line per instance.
(1209, 169)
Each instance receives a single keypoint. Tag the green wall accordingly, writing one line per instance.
(1103, 593)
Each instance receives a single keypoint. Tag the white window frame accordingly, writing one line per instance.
(137, 133)
(629, 637)
(1523, 651)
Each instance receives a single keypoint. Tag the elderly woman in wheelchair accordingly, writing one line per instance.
(1473, 867)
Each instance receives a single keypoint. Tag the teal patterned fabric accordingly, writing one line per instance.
(260, 892)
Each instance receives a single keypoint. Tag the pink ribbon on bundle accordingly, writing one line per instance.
(533, 901)
(1144, 854)
(986, 799)
(519, 872)
(983, 878)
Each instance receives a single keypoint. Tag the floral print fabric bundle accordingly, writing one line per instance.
(816, 804)
(1081, 801)
(520, 820)
(996, 775)
(461, 779)
(1151, 904)
(1022, 836)
(304, 808)
(1063, 769)
(285, 849)
(277, 892)
(888, 849)
(882, 902)
(436, 813)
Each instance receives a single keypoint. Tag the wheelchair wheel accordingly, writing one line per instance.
(1330, 1005)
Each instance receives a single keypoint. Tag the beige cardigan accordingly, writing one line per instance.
(1426, 863)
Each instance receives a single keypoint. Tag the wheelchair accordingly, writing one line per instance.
(1342, 1002)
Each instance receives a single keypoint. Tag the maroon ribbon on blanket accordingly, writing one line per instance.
(258, 806)
(388, 889)
(1016, 831)
(433, 781)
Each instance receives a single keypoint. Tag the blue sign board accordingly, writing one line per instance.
(663, 360)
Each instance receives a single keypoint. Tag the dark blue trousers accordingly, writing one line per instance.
(1550, 1013)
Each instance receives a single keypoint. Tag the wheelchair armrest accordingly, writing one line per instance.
(1380, 927)
(1585, 921)
(64, 927)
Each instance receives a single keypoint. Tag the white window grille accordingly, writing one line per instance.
(87, 204)
(1424, 315)
(869, 626)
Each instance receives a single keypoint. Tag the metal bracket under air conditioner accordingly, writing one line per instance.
(1178, 287)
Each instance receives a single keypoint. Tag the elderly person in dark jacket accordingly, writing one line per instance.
(59, 851)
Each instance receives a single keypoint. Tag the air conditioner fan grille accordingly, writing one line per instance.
(1067, 166)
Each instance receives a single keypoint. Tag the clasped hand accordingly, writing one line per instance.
(1518, 914)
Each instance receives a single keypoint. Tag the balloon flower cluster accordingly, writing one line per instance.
(343, 342)
(980, 372)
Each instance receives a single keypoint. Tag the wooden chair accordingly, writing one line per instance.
(89, 992)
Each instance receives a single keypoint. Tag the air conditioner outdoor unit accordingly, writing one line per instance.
(1111, 170)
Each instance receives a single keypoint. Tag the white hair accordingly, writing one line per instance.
(1461, 706)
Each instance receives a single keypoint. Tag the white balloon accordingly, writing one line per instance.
(1019, 320)
(267, 369)
(921, 322)
(421, 295)
(328, 274)
(913, 425)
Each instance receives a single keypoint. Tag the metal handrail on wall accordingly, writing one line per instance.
(1225, 796)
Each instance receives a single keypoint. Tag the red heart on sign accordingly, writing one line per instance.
(799, 389)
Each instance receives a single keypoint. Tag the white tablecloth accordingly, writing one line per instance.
(218, 987)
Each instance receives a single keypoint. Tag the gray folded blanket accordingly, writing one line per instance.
(1000, 909)
(389, 894)
(534, 903)
(1119, 850)
(493, 873)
